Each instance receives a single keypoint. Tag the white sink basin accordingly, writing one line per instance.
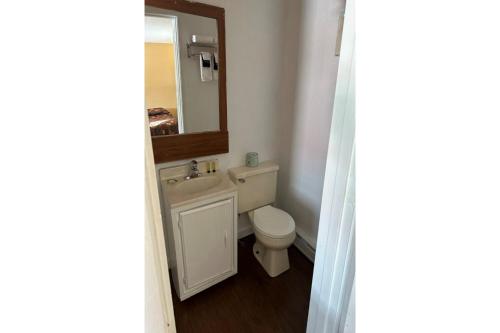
(199, 184)
(179, 191)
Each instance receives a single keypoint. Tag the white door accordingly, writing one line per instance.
(207, 242)
(334, 265)
(159, 311)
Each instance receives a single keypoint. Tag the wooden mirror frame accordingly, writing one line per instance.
(188, 145)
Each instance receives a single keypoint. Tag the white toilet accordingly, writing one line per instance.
(274, 228)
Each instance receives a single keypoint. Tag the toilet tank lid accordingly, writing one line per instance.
(244, 171)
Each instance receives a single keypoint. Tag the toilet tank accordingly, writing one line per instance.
(256, 185)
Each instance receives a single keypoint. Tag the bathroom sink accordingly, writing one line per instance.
(199, 184)
(180, 191)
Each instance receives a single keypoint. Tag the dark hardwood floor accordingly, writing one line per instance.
(250, 301)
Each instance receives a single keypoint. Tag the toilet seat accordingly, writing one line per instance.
(273, 222)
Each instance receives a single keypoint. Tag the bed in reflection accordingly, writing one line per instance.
(163, 121)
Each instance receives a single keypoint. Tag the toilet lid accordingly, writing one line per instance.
(273, 222)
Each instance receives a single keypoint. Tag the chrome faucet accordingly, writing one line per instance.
(195, 173)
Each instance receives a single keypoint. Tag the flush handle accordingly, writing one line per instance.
(241, 180)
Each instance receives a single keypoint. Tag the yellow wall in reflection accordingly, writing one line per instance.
(159, 75)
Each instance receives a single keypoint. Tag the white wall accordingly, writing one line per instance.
(309, 76)
(200, 100)
(158, 29)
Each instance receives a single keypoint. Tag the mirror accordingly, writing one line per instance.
(181, 73)
(185, 79)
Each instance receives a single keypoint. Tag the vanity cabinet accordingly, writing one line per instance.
(202, 239)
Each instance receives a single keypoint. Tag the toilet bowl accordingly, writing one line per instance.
(274, 229)
(274, 232)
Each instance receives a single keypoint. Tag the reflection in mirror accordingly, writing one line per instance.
(165, 115)
(181, 72)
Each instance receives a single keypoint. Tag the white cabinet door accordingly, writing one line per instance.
(207, 242)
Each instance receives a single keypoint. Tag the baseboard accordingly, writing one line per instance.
(245, 231)
(303, 246)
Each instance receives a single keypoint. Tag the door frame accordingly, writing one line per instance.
(334, 266)
(155, 227)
